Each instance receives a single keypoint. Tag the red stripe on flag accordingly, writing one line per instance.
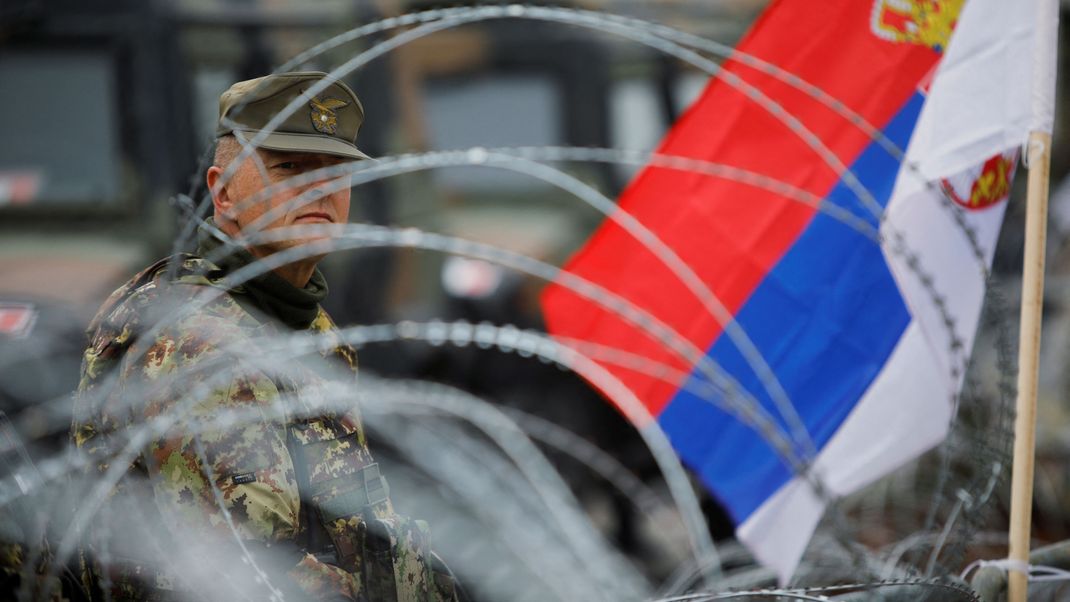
(729, 233)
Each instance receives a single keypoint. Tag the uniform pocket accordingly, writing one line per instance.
(350, 494)
(330, 449)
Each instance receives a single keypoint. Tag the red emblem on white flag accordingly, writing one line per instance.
(983, 186)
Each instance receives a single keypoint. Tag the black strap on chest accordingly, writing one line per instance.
(314, 538)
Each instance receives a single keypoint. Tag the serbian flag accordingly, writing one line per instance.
(859, 309)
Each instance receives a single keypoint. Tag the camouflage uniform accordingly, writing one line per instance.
(301, 485)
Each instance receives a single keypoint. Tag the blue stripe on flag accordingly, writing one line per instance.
(825, 318)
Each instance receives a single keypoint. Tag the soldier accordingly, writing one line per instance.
(229, 448)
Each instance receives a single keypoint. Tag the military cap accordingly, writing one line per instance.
(324, 122)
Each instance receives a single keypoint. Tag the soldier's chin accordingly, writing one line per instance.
(313, 247)
(315, 236)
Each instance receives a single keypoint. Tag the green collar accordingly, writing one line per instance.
(268, 293)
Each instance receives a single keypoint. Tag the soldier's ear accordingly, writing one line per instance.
(220, 195)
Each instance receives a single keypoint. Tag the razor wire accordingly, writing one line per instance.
(501, 158)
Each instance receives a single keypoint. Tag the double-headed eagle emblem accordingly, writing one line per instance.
(323, 117)
(925, 22)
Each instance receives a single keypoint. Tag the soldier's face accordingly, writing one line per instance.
(295, 202)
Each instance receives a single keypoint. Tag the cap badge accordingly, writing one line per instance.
(323, 117)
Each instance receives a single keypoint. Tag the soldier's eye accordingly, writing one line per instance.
(286, 165)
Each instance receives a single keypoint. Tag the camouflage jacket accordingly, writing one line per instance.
(231, 452)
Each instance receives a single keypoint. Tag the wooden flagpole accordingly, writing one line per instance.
(1038, 154)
